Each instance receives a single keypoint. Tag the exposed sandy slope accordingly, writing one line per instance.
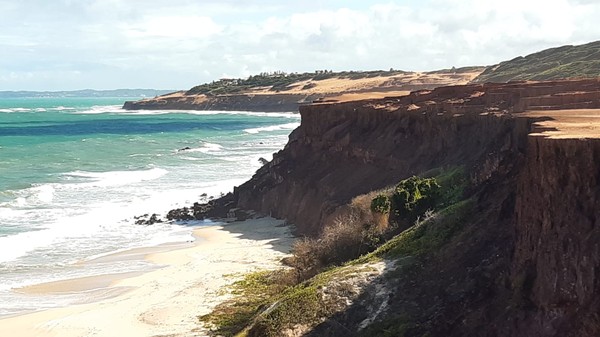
(582, 123)
(366, 95)
(166, 301)
(375, 85)
(344, 89)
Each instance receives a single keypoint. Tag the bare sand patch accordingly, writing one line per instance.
(564, 124)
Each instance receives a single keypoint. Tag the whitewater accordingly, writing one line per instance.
(74, 172)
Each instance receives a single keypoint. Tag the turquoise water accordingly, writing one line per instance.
(75, 171)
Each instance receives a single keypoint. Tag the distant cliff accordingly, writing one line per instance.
(240, 102)
(286, 92)
(526, 262)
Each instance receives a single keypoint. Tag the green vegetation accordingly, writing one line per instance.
(414, 196)
(381, 204)
(555, 63)
(267, 302)
(426, 235)
(280, 81)
(452, 182)
(316, 287)
(308, 303)
(252, 294)
(455, 70)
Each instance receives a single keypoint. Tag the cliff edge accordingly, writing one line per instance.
(525, 263)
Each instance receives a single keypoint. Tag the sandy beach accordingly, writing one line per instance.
(188, 282)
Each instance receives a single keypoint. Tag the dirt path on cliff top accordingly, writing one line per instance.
(562, 124)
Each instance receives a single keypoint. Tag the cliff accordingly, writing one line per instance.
(286, 92)
(557, 252)
(241, 102)
(526, 262)
(343, 150)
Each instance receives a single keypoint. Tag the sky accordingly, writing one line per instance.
(176, 44)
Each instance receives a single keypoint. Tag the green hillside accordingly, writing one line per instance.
(555, 63)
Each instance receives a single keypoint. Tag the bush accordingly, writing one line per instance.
(380, 209)
(414, 196)
(381, 204)
(428, 234)
(344, 240)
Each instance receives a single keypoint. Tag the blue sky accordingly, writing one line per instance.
(176, 44)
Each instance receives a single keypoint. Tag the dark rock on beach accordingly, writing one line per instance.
(147, 220)
(216, 208)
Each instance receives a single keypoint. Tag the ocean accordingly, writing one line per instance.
(74, 172)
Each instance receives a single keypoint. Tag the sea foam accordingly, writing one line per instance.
(113, 178)
(287, 126)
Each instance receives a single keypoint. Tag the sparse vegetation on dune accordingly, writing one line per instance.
(556, 63)
(280, 81)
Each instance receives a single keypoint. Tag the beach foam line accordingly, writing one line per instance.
(167, 300)
(100, 109)
(61, 108)
(114, 178)
(206, 148)
(287, 126)
(291, 114)
(18, 245)
(9, 110)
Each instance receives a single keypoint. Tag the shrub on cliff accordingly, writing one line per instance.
(380, 209)
(413, 196)
(366, 223)
(381, 204)
(346, 239)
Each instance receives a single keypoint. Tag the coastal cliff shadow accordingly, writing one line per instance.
(277, 232)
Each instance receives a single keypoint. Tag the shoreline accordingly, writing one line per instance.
(187, 282)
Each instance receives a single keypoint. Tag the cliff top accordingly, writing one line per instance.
(562, 108)
(340, 86)
(281, 91)
(561, 124)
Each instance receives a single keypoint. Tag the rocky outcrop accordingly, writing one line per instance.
(528, 263)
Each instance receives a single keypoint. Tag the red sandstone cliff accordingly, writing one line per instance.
(529, 264)
(342, 150)
(557, 253)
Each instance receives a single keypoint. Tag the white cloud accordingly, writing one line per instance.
(180, 43)
(177, 27)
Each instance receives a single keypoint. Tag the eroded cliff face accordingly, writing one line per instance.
(557, 255)
(343, 150)
(529, 265)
